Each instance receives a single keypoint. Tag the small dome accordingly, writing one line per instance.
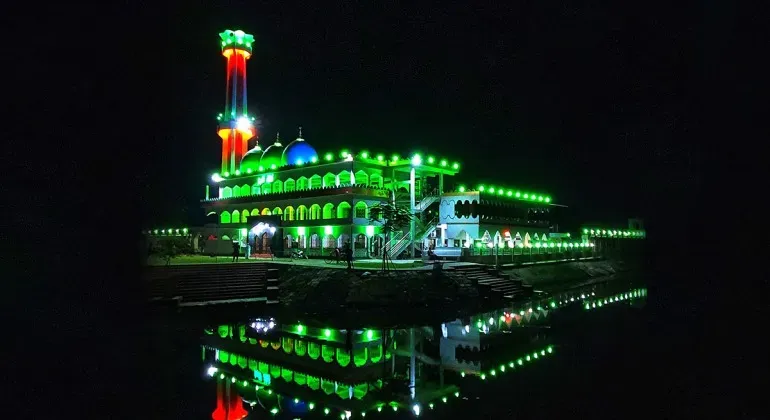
(299, 152)
(251, 159)
(273, 155)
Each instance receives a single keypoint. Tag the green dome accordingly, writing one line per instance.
(251, 159)
(273, 155)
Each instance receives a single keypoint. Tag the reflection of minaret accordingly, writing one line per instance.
(235, 126)
(229, 405)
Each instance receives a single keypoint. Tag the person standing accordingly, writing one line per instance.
(236, 251)
(347, 252)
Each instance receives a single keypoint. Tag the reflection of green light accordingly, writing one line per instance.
(370, 334)
(327, 333)
(300, 328)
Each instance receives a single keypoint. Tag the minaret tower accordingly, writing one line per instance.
(235, 126)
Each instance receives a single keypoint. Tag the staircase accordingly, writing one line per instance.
(213, 283)
(493, 284)
(405, 238)
(426, 201)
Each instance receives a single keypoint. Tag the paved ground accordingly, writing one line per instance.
(368, 263)
(373, 264)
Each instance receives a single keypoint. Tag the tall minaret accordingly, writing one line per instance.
(235, 126)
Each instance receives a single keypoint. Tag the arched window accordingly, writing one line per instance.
(315, 241)
(224, 217)
(329, 180)
(236, 216)
(361, 241)
(344, 177)
(330, 241)
(343, 210)
(302, 183)
(342, 239)
(302, 213)
(255, 189)
(236, 191)
(361, 210)
(277, 211)
(245, 215)
(266, 188)
(255, 212)
(277, 186)
(328, 212)
(245, 190)
(362, 178)
(289, 185)
(315, 181)
(266, 211)
(375, 180)
(227, 192)
(315, 212)
(288, 213)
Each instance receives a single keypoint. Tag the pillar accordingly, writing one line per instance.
(412, 208)
(412, 360)
(440, 184)
(207, 192)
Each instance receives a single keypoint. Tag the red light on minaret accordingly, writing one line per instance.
(235, 126)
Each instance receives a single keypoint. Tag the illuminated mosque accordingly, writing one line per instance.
(289, 195)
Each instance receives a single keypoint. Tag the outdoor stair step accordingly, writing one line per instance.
(508, 289)
(493, 282)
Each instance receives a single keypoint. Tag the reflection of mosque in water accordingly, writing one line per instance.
(304, 369)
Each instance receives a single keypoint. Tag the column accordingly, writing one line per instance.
(412, 208)
(440, 184)
(412, 362)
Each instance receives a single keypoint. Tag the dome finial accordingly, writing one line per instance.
(300, 131)
(278, 138)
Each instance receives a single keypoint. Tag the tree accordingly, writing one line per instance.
(392, 217)
(167, 250)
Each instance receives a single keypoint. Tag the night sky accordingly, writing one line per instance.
(577, 102)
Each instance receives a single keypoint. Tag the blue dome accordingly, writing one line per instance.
(299, 152)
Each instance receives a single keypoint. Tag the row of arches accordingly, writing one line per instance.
(495, 210)
(329, 180)
(342, 210)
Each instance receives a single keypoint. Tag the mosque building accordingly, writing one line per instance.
(283, 196)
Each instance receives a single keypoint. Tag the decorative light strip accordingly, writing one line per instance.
(416, 408)
(168, 232)
(484, 321)
(511, 366)
(346, 156)
(614, 233)
(589, 304)
(509, 193)
(558, 245)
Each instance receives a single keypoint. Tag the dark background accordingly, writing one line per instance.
(112, 130)
(579, 101)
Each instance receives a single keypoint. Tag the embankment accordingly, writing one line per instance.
(572, 274)
(322, 290)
